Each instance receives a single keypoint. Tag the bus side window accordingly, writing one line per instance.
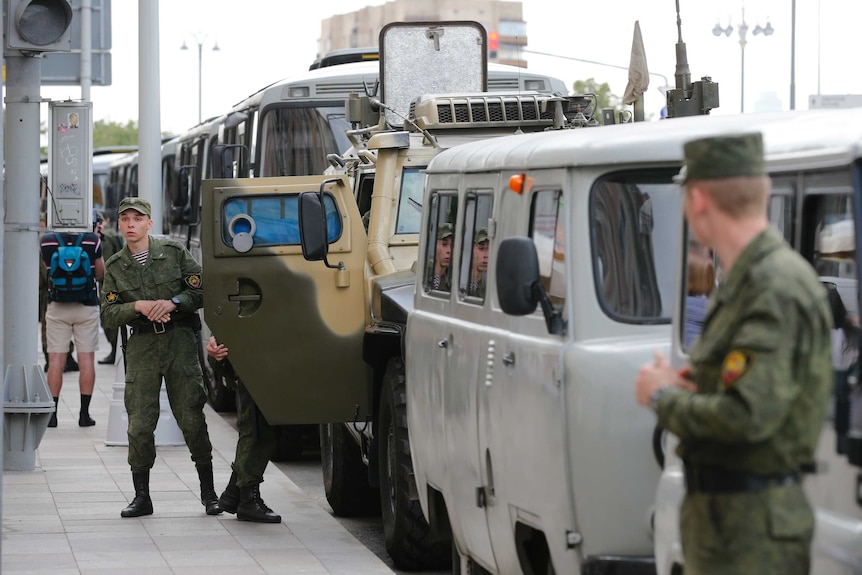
(547, 232)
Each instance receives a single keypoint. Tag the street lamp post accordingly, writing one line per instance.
(718, 30)
(200, 42)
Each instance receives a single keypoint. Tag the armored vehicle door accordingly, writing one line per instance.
(294, 328)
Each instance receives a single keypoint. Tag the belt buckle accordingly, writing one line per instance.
(156, 327)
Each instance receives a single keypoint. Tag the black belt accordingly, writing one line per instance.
(712, 480)
(156, 327)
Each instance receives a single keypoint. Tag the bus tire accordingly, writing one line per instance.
(405, 531)
(345, 477)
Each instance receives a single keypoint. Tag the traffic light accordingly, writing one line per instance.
(39, 25)
(493, 43)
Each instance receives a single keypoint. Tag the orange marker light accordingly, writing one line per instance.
(520, 183)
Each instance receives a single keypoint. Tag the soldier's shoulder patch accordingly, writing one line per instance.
(112, 297)
(735, 364)
(194, 281)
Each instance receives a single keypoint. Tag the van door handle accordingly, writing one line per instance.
(509, 359)
(244, 297)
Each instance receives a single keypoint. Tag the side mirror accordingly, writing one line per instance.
(312, 227)
(518, 283)
(517, 271)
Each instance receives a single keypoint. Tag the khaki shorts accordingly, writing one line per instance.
(65, 321)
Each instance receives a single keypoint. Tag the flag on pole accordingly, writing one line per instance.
(638, 71)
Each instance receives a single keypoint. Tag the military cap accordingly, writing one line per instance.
(480, 236)
(444, 231)
(728, 156)
(138, 204)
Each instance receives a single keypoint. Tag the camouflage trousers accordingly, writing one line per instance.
(758, 533)
(174, 356)
(257, 440)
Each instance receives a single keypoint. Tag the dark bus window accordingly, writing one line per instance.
(296, 140)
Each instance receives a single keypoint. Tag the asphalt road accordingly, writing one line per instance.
(307, 475)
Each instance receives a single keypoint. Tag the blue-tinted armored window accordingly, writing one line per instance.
(272, 220)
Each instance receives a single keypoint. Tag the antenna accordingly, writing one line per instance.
(689, 98)
(682, 74)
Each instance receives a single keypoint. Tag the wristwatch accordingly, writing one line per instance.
(176, 301)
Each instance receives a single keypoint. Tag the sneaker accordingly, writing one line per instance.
(53, 421)
(84, 420)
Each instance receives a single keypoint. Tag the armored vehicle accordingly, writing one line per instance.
(313, 305)
(814, 159)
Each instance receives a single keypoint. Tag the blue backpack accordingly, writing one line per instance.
(70, 274)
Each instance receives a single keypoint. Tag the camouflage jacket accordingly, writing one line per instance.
(762, 367)
(170, 271)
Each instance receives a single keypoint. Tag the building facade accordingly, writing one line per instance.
(503, 21)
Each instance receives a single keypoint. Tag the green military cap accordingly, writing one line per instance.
(138, 204)
(480, 236)
(728, 156)
(444, 231)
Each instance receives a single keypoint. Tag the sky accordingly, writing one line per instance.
(267, 40)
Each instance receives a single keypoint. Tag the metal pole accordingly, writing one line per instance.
(86, 49)
(149, 130)
(200, 77)
(2, 270)
(742, 78)
(793, 53)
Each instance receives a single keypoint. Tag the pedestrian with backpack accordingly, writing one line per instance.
(74, 263)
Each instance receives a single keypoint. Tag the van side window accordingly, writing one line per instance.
(441, 234)
(547, 232)
(475, 247)
(633, 221)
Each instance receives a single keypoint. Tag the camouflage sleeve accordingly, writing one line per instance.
(756, 380)
(114, 313)
(192, 296)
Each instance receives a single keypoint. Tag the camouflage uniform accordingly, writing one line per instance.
(257, 441)
(763, 371)
(169, 271)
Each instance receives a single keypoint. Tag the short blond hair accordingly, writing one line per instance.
(739, 197)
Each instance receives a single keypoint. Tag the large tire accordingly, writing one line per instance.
(405, 530)
(345, 476)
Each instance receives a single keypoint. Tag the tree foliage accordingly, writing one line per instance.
(107, 133)
(607, 99)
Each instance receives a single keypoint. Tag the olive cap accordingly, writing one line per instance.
(444, 231)
(480, 236)
(717, 157)
(138, 204)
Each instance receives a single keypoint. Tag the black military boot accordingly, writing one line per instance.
(252, 508)
(141, 504)
(208, 494)
(229, 499)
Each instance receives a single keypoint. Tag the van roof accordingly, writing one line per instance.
(833, 137)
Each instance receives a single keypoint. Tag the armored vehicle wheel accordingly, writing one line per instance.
(405, 530)
(345, 477)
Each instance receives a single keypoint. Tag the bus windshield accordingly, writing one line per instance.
(297, 139)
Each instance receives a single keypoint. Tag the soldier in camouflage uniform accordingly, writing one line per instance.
(749, 409)
(255, 447)
(155, 286)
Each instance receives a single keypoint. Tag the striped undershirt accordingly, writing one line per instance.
(141, 257)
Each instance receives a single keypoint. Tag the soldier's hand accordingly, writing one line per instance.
(161, 311)
(216, 350)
